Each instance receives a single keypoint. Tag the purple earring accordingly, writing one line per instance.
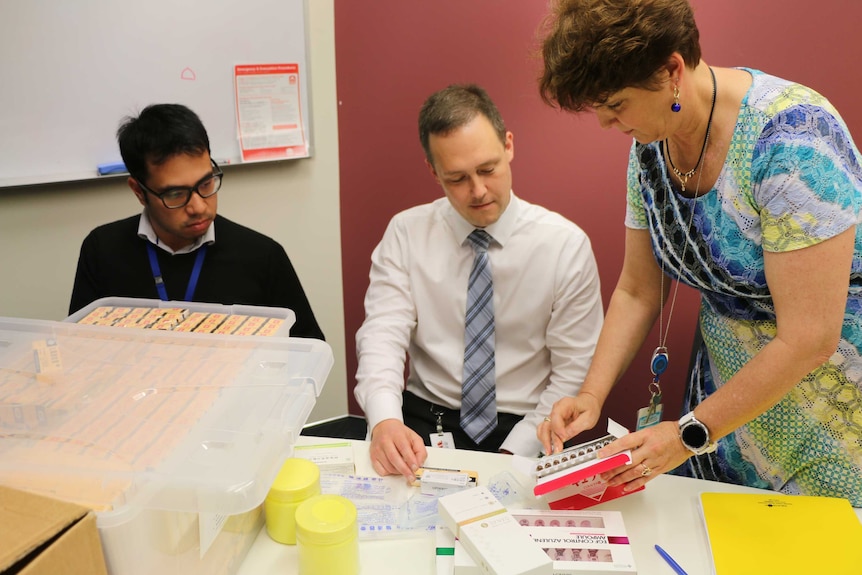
(675, 107)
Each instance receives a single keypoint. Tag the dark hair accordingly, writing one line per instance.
(158, 133)
(453, 107)
(594, 48)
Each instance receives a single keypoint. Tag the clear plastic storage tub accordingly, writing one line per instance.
(173, 438)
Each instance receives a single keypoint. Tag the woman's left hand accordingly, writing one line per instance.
(655, 450)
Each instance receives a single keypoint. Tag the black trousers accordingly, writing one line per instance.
(419, 415)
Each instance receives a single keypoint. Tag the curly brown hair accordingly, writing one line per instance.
(594, 48)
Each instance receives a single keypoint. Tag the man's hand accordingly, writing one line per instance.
(396, 449)
(569, 417)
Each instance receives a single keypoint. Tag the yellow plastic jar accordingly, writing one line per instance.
(297, 481)
(327, 536)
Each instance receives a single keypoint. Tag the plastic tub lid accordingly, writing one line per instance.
(326, 520)
(297, 479)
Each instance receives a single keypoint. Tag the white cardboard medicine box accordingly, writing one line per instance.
(334, 458)
(172, 438)
(489, 533)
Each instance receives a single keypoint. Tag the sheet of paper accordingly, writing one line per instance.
(269, 112)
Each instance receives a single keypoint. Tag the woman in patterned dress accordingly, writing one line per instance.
(747, 187)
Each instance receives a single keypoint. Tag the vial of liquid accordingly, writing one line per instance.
(297, 481)
(327, 536)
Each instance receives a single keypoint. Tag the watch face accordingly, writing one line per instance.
(694, 436)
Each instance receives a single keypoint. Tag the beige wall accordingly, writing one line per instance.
(294, 202)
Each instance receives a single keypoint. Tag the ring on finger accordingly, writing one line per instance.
(646, 470)
(548, 419)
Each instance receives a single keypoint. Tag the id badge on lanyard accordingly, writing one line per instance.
(651, 414)
(441, 438)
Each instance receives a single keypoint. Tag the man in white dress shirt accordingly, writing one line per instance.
(546, 298)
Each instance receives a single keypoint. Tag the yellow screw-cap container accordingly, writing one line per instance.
(327, 536)
(297, 481)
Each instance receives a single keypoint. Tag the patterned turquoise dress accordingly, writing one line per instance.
(792, 179)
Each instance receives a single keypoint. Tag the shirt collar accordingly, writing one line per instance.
(146, 232)
(501, 230)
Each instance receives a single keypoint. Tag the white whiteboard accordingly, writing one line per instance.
(71, 70)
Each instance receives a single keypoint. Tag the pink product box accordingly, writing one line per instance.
(580, 542)
(570, 479)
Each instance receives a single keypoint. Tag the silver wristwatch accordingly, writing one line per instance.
(695, 435)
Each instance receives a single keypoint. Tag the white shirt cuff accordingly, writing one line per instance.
(522, 440)
(382, 406)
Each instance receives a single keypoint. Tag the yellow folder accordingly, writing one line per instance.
(762, 534)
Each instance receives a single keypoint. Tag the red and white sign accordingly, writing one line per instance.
(269, 112)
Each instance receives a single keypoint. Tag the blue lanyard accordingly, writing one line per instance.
(157, 272)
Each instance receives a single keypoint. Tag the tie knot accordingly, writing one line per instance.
(480, 240)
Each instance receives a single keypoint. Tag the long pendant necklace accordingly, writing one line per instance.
(651, 414)
(684, 176)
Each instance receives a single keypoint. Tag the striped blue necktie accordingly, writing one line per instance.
(478, 394)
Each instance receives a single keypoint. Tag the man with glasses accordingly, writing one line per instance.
(171, 251)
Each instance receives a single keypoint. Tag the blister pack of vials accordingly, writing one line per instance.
(571, 456)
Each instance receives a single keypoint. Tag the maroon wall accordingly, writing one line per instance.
(391, 54)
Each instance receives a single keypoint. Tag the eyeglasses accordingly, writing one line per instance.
(174, 198)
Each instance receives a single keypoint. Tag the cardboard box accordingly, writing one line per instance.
(444, 557)
(581, 542)
(576, 483)
(44, 536)
(329, 457)
(491, 536)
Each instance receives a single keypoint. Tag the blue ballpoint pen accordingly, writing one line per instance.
(674, 565)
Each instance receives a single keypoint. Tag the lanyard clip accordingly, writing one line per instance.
(659, 361)
(655, 395)
(439, 413)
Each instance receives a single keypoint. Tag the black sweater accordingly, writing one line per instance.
(241, 267)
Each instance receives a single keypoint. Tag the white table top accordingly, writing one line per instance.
(665, 513)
